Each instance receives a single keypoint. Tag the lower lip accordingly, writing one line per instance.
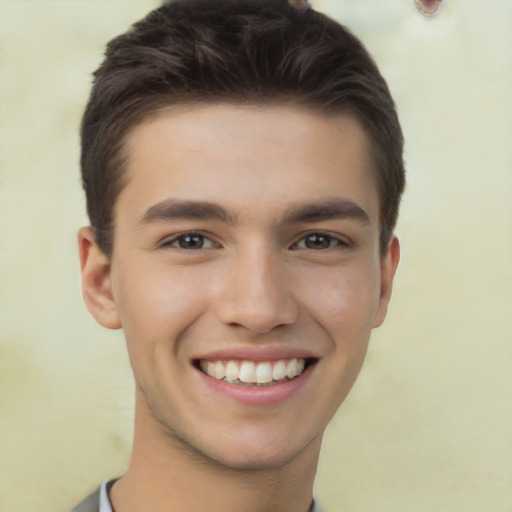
(259, 395)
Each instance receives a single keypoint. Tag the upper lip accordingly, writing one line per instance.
(270, 353)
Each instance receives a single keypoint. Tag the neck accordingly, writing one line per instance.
(163, 471)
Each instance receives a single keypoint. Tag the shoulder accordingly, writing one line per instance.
(90, 504)
(315, 507)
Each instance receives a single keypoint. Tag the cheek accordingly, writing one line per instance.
(346, 301)
(345, 311)
(157, 305)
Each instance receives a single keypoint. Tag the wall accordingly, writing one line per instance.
(428, 426)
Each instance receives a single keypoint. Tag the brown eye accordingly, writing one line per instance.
(191, 241)
(318, 242)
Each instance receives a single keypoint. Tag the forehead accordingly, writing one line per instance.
(247, 157)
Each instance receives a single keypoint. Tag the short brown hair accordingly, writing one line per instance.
(234, 51)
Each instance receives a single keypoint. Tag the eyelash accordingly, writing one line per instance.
(183, 236)
(331, 241)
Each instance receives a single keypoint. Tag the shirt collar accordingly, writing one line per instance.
(106, 506)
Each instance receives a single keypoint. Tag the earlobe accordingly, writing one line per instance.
(96, 284)
(389, 264)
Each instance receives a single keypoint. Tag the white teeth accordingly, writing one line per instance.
(232, 371)
(248, 372)
(252, 372)
(264, 373)
(210, 368)
(220, 370)
(279, 370)
(291, 368)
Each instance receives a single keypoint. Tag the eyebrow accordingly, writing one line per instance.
(336, 208)
(329, 209)
(171, 209)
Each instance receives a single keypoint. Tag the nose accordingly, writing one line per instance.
(256, 292)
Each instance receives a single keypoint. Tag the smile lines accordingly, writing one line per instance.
(249, 373)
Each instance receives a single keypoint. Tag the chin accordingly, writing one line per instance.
(255, 454)
(253, 462)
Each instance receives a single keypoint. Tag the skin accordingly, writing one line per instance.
(259, 277)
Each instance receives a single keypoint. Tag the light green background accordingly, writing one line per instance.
(428, 426)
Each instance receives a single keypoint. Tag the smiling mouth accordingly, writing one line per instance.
(254, 373)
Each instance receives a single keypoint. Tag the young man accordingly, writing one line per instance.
(242, 161)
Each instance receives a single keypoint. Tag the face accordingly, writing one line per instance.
(246, 274)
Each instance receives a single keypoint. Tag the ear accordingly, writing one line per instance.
(96, 285)
(388, 266)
